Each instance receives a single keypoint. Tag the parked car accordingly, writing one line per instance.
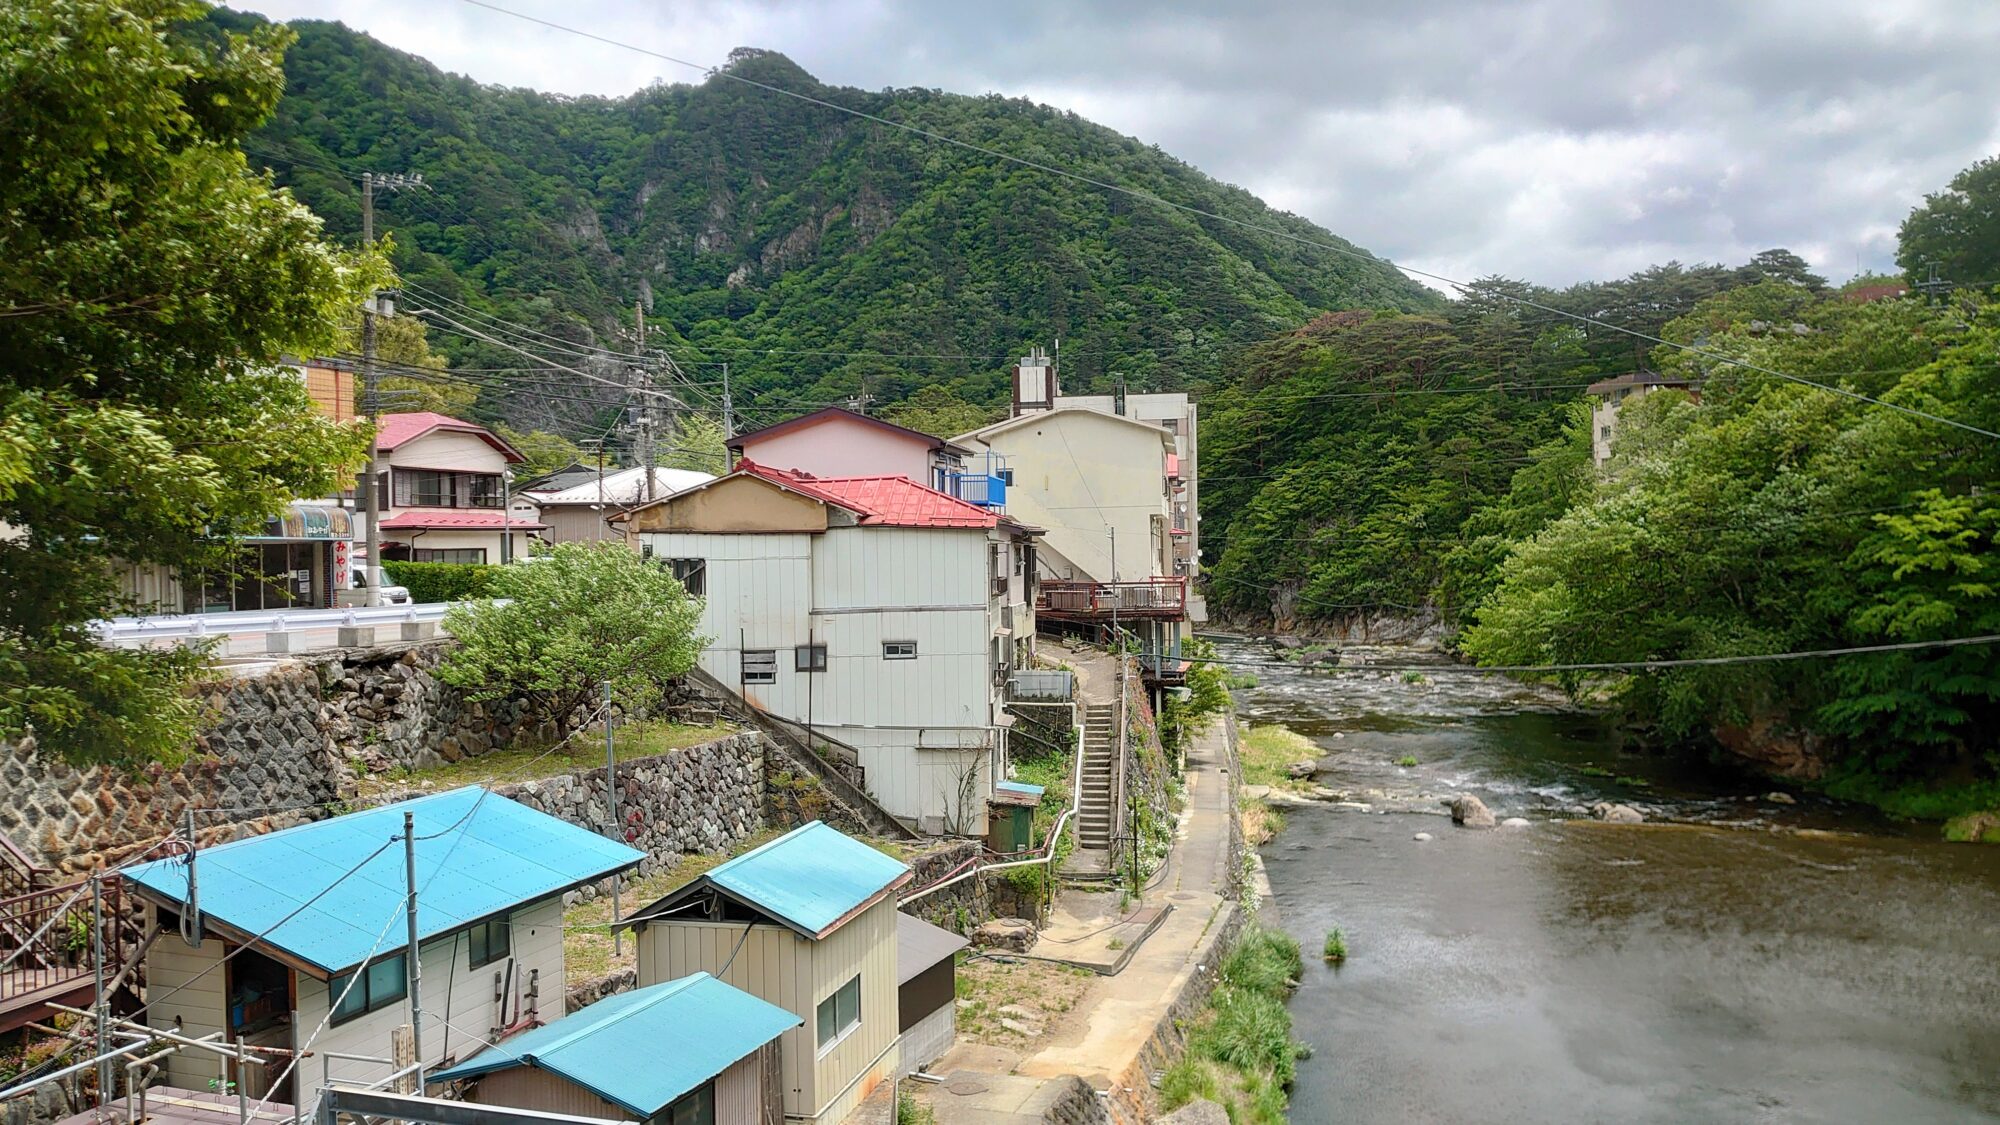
(391, 594)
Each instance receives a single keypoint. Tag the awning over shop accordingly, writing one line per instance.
(307, 523)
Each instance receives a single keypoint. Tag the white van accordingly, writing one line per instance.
(357, 571)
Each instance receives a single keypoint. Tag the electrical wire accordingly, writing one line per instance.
(1189, 209)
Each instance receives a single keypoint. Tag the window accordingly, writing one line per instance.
(474, 555)
(760, 666)
(899, 650)
(1604, 432)
(693, 574)
(488, 941)
(1007, 475)
(809, 658)
(696, 1107)
(840, 1013)
(383, 983)
(438, 488)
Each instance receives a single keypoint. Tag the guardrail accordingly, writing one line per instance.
(197, 626)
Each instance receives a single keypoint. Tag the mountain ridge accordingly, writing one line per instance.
(750, 224)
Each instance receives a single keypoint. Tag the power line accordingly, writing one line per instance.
(1147, 196)
(1611, 665)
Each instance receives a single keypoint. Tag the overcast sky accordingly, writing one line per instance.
(1552, 140)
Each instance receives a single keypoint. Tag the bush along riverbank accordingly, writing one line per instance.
(1240, 1051)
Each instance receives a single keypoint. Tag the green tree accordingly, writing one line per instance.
(545, 452)
(697, 442)
(1957, 229)
(936, 411)
(582, 616)
(1207, 696)
(149, 284)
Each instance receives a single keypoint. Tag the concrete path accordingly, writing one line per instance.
(1120, 1013)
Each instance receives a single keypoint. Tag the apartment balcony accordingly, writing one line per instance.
(983, 481)
(1155, 598)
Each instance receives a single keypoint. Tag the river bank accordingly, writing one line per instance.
(1744, 956)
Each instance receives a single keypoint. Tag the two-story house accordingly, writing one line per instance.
(874, 610)
(1181, 417)
(842, 443)
(443, 487)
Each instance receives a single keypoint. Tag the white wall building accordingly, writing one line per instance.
(442, 491)
(881, 613)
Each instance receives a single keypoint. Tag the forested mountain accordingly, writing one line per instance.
(755, 227)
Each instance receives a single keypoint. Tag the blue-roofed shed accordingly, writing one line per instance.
(692, 1049)
(807, 922)
(305, 930)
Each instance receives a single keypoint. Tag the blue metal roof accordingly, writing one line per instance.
(642, 1049)
(1020, 787)
(481, 858)
(809, 878)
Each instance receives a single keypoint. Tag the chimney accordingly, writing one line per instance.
(1034, 383)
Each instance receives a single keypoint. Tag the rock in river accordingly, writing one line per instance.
(1617, 814)
(1421, 836)
(1299, 771)
(1468, 811)
(1779, 797)
(1515, 822)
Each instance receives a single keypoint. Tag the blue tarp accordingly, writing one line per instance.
(810, 877)
(642, 1049)
(481, 858)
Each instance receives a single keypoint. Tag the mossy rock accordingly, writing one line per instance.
(1974, 828)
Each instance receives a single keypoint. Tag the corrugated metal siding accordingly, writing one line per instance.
(740, 1090)
(773, 964)
(527, 1087)
(882, 567)
(448, 974)
(757, 596)
(449, 449)
(865, 945)
(199, 1003)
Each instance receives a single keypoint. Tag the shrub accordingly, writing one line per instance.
(442, 582)
(1406, 761)
(1186, 1080)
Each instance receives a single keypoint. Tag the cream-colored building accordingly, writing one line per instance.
(808, 923)
(1613, 393)
(297, 940)
(873, 610)
(443, 489)
(1181, 417)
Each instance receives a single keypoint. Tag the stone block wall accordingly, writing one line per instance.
(702, 799)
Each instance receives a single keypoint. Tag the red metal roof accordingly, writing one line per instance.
(400, 429)
(431, 519)
(889, 501)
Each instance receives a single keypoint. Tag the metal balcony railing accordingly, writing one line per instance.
(1150, 597)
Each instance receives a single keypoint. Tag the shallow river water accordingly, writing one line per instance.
(1734, 959)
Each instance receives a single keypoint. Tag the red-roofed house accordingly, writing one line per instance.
(879, 612)
(442, 489)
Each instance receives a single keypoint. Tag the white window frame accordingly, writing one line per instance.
(827, 1044)
(895, 650)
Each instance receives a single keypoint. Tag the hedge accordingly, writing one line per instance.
(442, 582)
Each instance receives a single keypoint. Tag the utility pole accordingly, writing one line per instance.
(1932, 286)
(414, 964)
(371, 404)
(728, 408)
(617, 833)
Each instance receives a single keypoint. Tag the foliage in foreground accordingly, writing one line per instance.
(1208, 697)
(149, 284)
(1240, 1051)
(585, 615)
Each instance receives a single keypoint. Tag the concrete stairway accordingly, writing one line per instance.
(1096, 822)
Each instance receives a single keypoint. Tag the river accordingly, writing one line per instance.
(1734, 959)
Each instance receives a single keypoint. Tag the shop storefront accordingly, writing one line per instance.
(300, 562)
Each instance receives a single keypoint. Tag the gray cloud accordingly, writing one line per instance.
(1556, 140)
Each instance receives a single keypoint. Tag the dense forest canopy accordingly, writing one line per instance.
(780, 237)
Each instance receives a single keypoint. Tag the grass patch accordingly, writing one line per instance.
(1596, 771)
(910, 1111)
(1240, 1050)
(583, 752)
(1267, 749)
(1913, 800)
(1974, 828)
(1261, 822)
(1335, 950)
(1634, 782)
(1033, 994)
(1407, 761)
(1415, 678)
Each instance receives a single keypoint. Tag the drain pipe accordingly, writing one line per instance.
(1075, 803)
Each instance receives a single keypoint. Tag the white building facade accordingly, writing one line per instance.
(875, 611)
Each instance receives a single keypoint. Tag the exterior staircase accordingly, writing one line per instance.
(1097, 815)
